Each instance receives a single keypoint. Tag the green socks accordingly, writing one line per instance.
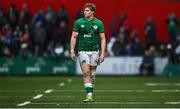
(89, 88)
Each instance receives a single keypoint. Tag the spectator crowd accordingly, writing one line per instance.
(24, 35)
(124, 39)
(46, 34)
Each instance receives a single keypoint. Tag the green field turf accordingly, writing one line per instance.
(110, 92)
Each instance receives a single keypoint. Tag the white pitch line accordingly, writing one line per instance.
(121, 91)
(174, 90)
(49, 91)
(126, 103)
(72, 96)
(178, 102)
(10, 96)
(21, 91)
(38, 96)
(23, 104)
(177, 84)
(66, 103)
(69, 80)
(61, 84)
(157, 84)
(118, 91)
(101, 90)
(162, 84)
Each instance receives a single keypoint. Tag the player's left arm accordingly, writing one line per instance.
(103, 47)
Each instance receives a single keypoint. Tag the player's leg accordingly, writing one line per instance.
(85, 67)
(86, 73)
(94, 61)
(87, 82)
(93, 72)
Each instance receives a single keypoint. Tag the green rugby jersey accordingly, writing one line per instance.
(88, 34)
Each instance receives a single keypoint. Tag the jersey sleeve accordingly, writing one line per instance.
(76, 26)
(101, 27)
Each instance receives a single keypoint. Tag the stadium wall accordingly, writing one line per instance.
(126, 66)
(137, 11)
(65, 66)
(37, 66)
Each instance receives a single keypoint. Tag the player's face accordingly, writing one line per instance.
(88, 13)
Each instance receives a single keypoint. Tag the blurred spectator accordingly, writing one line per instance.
(150, 31)
(1, 44)
(55, 51)
(12, 16)
(129, 50)
(5, 51)
(63, 34)
(50, 14)
(24, 51)
(3, 19)
(173, 26)
(7, 41)
(147, 66)
(66, 52)
(162, 51)
(58, 50)
(39, 17)
(4, 31)
(110, 45)
(62, 15)
(25, 38)
(39, 39)
(119, 46)
(177, 54)
(49, 50)
(171, 53)
(49, 23)
(60, 35)
(25, 35)
(113, 26)
(126, 24)
(122, 34)
(16, 40)
(79, 14)
(25, 17)
(136, 46)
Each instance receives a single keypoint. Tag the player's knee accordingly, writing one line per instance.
(86, 73)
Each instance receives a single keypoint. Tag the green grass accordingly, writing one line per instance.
(109, 92)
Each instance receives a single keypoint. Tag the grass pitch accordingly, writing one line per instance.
(109, 92)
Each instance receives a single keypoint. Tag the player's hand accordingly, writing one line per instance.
(73, 56)
(101, 58)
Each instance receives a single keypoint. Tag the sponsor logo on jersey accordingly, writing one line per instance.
(82, 26)
(87, 35)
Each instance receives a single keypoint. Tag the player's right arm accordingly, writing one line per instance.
(73, 44)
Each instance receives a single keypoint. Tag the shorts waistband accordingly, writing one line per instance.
(88, 51)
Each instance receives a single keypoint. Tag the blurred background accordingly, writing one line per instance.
(142, 62)
(143, 37)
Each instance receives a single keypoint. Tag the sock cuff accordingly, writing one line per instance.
(88, 85)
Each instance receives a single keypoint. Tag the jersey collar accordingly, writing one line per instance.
(88, 19)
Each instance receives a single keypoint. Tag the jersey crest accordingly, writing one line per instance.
(95, 27)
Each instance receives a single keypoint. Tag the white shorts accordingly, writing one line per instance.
(91, 58)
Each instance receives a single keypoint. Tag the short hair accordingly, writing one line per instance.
(91, 6)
